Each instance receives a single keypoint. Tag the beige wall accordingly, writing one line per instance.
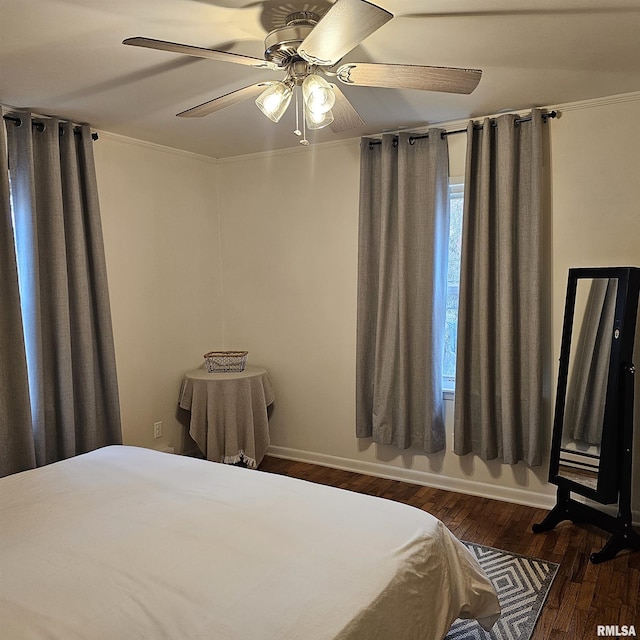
(290, 299)
(160, 224)
(288, 261)
(293, 307)
(290, 288)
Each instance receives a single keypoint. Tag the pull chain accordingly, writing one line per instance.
(304, 140)
(297, 129)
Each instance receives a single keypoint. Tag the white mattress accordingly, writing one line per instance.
(126, 543)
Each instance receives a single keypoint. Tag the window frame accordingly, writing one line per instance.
(456, 191)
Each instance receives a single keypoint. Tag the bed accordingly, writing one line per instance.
(128, 543)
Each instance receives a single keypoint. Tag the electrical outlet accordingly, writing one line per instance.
(157, 429)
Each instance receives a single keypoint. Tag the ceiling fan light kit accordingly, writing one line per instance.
(274, 100)
(318, 95)
(318, 120)
(308, 47)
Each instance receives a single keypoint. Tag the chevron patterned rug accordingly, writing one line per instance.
(522, 585)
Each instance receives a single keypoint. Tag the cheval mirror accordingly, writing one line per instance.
(592, 444)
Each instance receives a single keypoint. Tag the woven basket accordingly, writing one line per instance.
(225, 360)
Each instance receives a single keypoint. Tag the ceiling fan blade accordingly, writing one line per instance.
(344, 114)
(405, 76)
(200, 52)
(227, 100)
(344, 26)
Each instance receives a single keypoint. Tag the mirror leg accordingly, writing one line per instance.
(562, 511)
(616, 543)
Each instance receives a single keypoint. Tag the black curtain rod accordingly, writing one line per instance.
(40, 126)
(476, 125)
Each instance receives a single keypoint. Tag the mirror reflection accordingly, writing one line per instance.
(592, 335)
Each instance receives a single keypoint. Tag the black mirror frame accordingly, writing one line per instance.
(615, 480)
(621, 355)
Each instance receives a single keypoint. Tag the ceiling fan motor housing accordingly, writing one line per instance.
(281, 45)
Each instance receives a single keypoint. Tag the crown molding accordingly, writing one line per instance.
(449, 125)
(591, 103)
(108, 135)
(598, 102)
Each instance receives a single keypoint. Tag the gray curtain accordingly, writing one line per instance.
(17, 451)
(499, 411)
(402, 279)
(587, 389)
(63, 287)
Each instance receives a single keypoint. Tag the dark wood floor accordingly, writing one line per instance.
(583, 595)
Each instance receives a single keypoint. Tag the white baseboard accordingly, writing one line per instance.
(459, 485)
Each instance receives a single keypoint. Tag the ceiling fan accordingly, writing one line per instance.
(309, 48)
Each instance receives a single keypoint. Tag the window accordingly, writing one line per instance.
(456, 202)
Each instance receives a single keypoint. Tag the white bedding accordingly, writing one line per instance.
(126, 543)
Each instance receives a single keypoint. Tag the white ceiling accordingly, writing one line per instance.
(65, 57)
